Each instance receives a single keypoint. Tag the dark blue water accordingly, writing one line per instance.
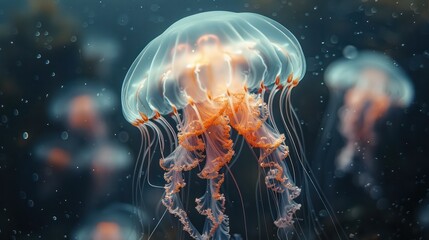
(53, 51)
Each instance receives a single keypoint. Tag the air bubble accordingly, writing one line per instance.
(350, 52)
(64, 135)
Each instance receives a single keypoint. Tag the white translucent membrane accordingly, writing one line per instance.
(345, 73)
(246, 48)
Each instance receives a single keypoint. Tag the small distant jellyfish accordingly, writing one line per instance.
(82, 113)
(101, 50)
(116, 222)
(54, 153)
(56, 159)
(369, 85)
(106, 160)
(108, 157)
(82, 107)
(107, 230)
(215, 73)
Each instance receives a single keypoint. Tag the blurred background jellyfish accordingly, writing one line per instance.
(116, 222)
(56, 153)
(56, 159)
(367, 85)
(83, 108)
(213, 73)
(103, 50)
(82, 149)
(106, 160)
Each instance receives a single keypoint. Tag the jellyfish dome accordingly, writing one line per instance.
(206, 55)
(117, 221)
(370, 85)
(372, 70)
(210, 73)
(84, 95)
(83, 107)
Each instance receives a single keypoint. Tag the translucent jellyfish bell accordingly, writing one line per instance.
(213, 71)
(373, 69)
(116, 222)
(244, 49)
(55, 152)
(369, 85)
(83, 107)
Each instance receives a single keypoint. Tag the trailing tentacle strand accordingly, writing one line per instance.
(273, 151)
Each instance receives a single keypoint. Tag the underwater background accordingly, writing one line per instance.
(67, 154)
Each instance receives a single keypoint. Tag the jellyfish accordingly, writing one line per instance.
(215, 73)
(116, 222)
(56, 160)
(102, 51)
(107, 160)
(54, 155)
(62, 158)
(369, 84)
(83, 109)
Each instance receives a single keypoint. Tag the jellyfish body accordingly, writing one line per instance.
(116, 222)
(210, 71)
(82, 107)
(371, 84)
